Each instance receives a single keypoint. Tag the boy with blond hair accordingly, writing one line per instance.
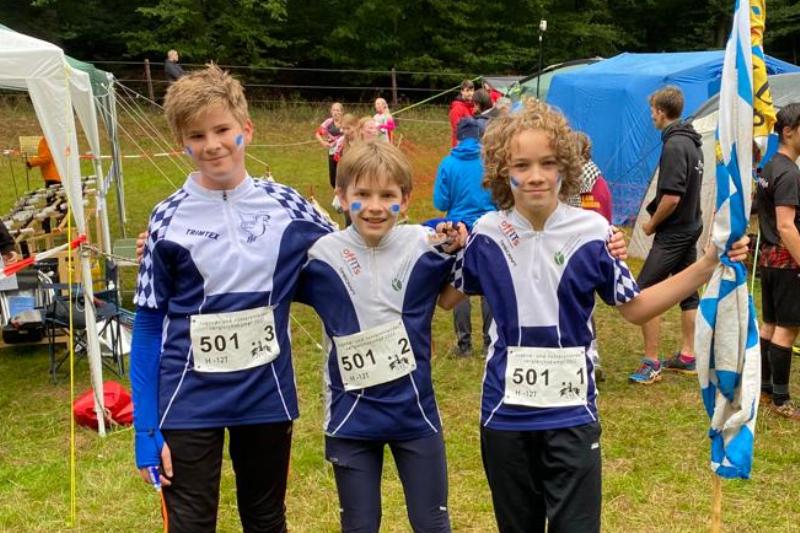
(211, 348)
(375, 285)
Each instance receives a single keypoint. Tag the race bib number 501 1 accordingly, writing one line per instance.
(546, 377)
(227, 342)
(377, 355)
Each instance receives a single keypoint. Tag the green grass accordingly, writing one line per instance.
(655, 449)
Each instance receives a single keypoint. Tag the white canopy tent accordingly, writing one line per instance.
(39, 67)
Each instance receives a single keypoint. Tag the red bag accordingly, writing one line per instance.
(118, 406)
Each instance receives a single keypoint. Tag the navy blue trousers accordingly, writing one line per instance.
(358, 465)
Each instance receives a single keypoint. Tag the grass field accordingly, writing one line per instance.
(655, 449)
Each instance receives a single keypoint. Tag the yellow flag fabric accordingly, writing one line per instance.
(763, 110)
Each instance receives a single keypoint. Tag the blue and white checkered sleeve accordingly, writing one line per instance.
(463, 276)
(159, 221)
(625, 286)
(457, 273)
(298, 207)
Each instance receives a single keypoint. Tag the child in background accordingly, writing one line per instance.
(375, 285)
(539, 262)
(383, 118)
(211, 349)
(328, 134)
(594, 193)
(348, 138)
(368, 130)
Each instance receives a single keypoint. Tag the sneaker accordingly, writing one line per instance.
(648, 372)
(678, 363)
(787, 410)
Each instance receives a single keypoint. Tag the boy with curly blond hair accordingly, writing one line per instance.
(539, 263)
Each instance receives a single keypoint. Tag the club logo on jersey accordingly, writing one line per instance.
(510, 233)
(401, 273)
(571, 244)
(351, 260)
(254, 225)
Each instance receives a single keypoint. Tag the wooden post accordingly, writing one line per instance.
(716, 504)
(149, 79)
(394, 87)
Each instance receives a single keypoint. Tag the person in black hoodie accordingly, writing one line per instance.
(676, 222)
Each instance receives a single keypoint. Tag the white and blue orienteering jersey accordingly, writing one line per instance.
(353, 288)
(219, 252)
(540, 286)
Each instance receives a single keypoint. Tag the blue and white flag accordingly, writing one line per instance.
(726, 339)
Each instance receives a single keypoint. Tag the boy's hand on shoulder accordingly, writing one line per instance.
(616, 244)
(10, 257)
(140, 242)
(451, 237)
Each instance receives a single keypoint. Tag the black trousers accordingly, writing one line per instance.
(671, 253)
(260, 455)
(548, 475)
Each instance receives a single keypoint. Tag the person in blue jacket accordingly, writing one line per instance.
(459, 192)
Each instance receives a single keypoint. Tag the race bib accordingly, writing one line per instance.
(227, 342)
(377, 355)
(546, 377)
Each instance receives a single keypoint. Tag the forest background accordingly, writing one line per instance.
(438, 40)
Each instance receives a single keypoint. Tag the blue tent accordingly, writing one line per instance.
(608, 101)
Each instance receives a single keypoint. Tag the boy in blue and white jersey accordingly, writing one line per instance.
(539, 263)
(375, 287)
(211, 347)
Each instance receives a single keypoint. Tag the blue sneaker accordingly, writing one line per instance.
(679, 363)
(648, 372)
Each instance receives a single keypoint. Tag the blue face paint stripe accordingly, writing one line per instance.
(240, 140)
(355, 206)
(188, 150)
(513, 181)
(395, 208)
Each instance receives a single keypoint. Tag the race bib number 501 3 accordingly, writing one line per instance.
(227, 342)
(546, 377)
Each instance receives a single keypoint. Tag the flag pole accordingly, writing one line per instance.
(716, 503)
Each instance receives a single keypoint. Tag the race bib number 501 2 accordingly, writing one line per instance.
(546, 377)
(377, 355)
(227, 342)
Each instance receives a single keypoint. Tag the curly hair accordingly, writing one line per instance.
(499, 138)
(584, 144)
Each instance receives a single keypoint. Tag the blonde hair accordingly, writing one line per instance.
(193, 94)
(385, 104)
(349, 119)
(497, 143)
(374, 160)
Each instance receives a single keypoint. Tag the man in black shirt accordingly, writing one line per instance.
(677, 223)
(172, 69)
(779, 261)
